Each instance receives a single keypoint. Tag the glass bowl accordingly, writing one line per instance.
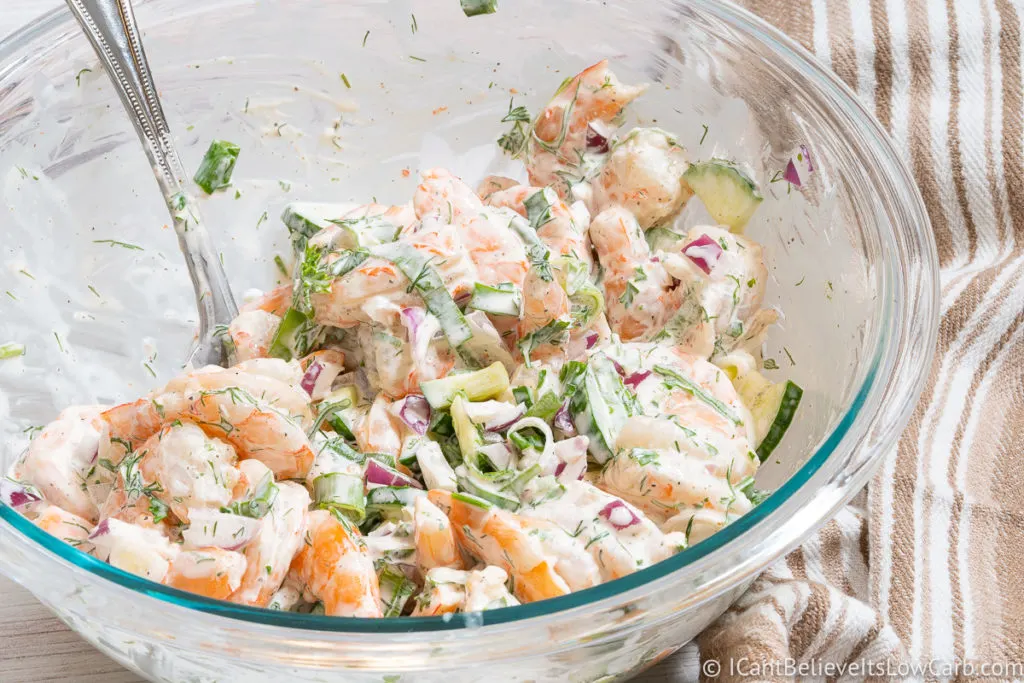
(851, 258)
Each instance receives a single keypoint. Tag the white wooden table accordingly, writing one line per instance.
(35, 646)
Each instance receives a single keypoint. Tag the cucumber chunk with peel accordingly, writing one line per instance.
(729, 194)
(479, 385)
(772, 406)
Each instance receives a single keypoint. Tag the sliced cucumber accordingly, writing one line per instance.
(481, 488)
(600, 405)
(479, 385)
(772, 405)
(729, 194)
(388, 501)
(395, 591)
(295, 337)
(345, 397)
(501, 299)
(466, 432)
(344, 492)
(663, 238)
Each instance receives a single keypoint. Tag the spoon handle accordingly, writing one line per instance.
(111, 29)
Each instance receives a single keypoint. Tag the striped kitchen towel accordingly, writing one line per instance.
(922, 576)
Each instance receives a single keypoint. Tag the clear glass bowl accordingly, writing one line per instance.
(851, 258)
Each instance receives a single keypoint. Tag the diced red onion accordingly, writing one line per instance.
(633, 381)
(618, 368)
(102, 529)
(806, 153)
(572, 459)
(15, 494)
(619, 515)
(563, 420)
(209, 528)
(597, 141)
(415, 412)
(592, 339)
(411, 318)
(95, 456)
(501, 423)
(385, 476)
(309, 378)
(790, 175)
(499, 454)
(704, 252)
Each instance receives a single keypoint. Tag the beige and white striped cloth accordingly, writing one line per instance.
(922, 577)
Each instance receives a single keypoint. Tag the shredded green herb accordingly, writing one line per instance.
(118, 243)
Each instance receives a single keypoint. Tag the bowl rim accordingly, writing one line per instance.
(795, 56)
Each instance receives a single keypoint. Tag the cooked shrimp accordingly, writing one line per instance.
(131, 501)
(496, 251)
(276, 301)
(378, 433)
(336, 569)
(68, 527)
(498, 537)
(644, 174)
(184, 468)
(435, 542)
(559, 135)
(700, 523)
(261, 379)
(270, 552)
(498, 254)
(639, 294)
(544, 301)
(252, 332)
(494, 183)
(619, 538)
(560, 232)
(254, 429)
(255, 413)
(733, 291)
(487, 589)
(571, 561)
(440, 193)
(377, 278)
(289, 372)
(60, 457)
(364, 226)
(211, 572)
(140, 550)
(446, 591)
(696, 452)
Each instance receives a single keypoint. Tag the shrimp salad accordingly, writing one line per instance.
(480, 398)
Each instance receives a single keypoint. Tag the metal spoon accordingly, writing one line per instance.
(110, 27)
